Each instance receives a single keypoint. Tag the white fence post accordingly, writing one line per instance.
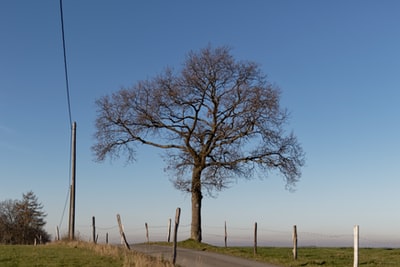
(356, 245)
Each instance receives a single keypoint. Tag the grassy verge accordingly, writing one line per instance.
(71, 254)
(310, 257)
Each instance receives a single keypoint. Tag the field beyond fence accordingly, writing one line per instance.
(303, 244)
(233, 235)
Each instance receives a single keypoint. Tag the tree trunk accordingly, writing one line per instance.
(195, 232)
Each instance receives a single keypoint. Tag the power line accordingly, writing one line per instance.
(65, 206)
(68, 103)
(65, 63)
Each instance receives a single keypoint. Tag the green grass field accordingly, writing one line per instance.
(310, 257)
(81, 254)
(74, 254)
(329, 257)
(54, 255)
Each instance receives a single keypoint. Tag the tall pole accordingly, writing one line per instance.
(73, 185)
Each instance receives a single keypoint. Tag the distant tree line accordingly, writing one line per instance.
(23, 221)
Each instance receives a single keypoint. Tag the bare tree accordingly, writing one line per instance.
(22, 221)
(218, 119)
(8, 217)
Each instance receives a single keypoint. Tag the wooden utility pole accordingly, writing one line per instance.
(71, 229)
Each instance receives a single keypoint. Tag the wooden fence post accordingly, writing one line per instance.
(121, 231)
(295, 242)
(57, 234)
(177, 216)
(147, 232)
(107, 238)
(356, 245)
(169, 230)
(226, 236)
(94, 229)
(255, 238)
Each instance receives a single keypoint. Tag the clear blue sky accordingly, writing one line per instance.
(337, 63)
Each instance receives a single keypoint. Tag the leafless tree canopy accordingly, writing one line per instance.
(218, 119)
(217, 113)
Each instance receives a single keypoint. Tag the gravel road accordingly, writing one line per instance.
(195, 258)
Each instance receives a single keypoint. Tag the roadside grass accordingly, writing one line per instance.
(74, 254)
(306, 256)
(83, 254)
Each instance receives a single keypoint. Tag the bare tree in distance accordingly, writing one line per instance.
(22, 221)
(218, 119)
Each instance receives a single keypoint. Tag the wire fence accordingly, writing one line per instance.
(236, 236)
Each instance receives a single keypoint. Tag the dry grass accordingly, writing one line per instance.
(129, 258)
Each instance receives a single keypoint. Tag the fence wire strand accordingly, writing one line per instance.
(236, 236)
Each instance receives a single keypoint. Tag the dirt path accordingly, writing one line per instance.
(195, 258)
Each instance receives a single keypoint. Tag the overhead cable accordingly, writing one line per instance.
(65, 63)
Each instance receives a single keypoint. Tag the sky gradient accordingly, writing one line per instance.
(336, 62)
